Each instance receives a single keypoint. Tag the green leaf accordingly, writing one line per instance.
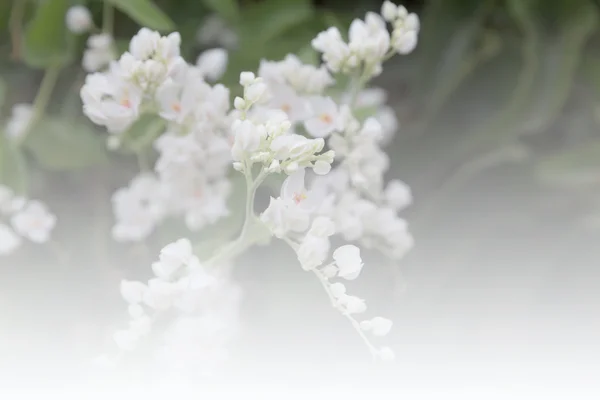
(64, 145)
(13, 167)
(145, 13)
(227, 9)
(47, 40)
(268, 19)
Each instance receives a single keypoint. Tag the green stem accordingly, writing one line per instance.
(41, 100)
(245, 239)
(108, 17)
(15, 22)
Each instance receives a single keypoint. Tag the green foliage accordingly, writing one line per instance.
(47, 40)
(60, 144)
(229, 10)
(13, 167)
(145, 13)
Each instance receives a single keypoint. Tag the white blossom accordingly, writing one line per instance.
(378, 326)
(347, 258)
(212, 63)
(34, 222)
(100, 51)
(325, 118)
(313, 251)
(78, 19)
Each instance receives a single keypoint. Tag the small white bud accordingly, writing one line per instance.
(274, 167)
(247, 78)
(238, 166)
(381, 326)
(239, 103)
(78, 19)
(330, 271)
(389, 11)
(322, 167)
(322, 227)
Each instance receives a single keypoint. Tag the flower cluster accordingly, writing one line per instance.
(205, 306)
(287, 121)
(29, 219)
(370, 42)
(289, 218)
(193, 152)
(263, 135)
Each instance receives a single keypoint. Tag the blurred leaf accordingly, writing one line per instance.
(227, 9)
(13, 167)
(268, 19)
(577, 166)
(64, 145)
(145, 13)
(47, 40)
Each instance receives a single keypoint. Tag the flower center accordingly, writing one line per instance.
(126, 103)
(326, 118)
(299, 197)
(176, 107)
(286, 107)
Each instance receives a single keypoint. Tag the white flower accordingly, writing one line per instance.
(287, 99)
(347, 258)
(322, 227)
(337, 290)
(137, 208)
(322, 167)
(173, 257)
(389, 11)
(99, 53)
(212, 63)
(19, 121)
(247, 139)
(369, 39)
(335, 51)
(160, 294)
(378, 326)
(144, 44)
(78, 19)
(352, 304)
(325, 118)
(126, 340)
(133, 291)
(109, 102)
(34, 222)
(404, 42)
(313, 251)
(9, 241)
(398, 194)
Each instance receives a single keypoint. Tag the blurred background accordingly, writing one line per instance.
(499, 139)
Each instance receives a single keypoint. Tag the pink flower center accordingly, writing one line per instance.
(326, 118)
(299, 197)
